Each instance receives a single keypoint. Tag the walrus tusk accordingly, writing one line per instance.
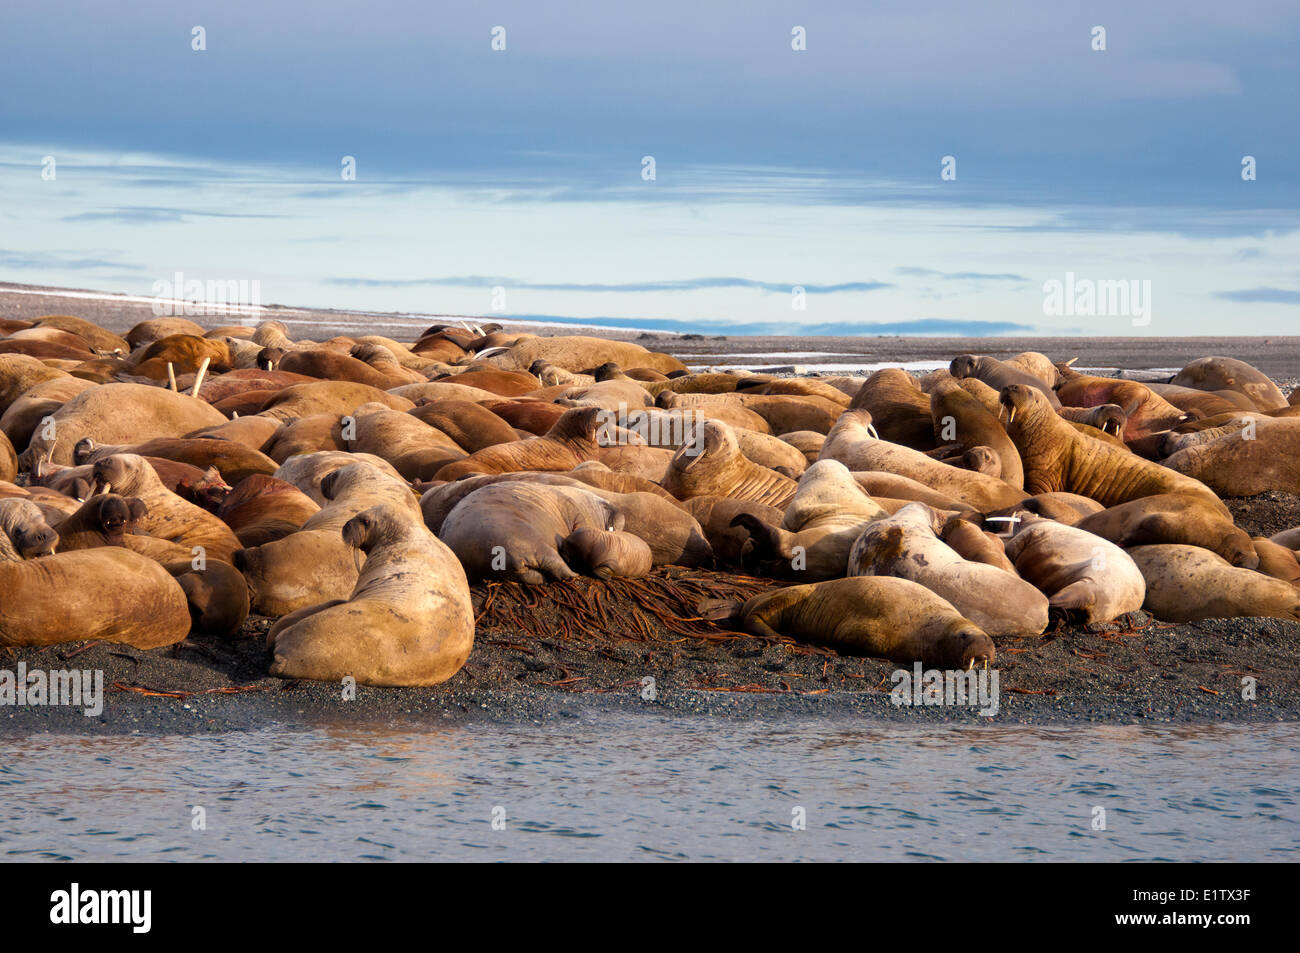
(198, 378)
(1011, 414)
(1071, 361)
(871, 429)
(171, 376)
(103, 490)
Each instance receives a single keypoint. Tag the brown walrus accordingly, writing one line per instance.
(853, 443)
(907, 546)
(571, 441)
(1243, 458)
(1145, 412)
(883, 616)
(1056, 457)
(1173, 518)
(999, 374)
(408, 621)
(893, 397)
(1079, 571)
(821, 523)
(513, 530)
(169, 517)
(606, 554)
(960, 418)
(110, 595)
(1228, 373)
(263, 508)
(711, 464)
(1190, 583)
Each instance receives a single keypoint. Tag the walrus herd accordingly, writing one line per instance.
(178, 478)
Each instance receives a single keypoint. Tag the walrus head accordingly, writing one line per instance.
(268, 357)
(23, 525)
(963, 365)
(1109, 418)
(125, 472)
(82, 451)
(114, 515)
(608, 371)
(982, 459)
(1022, 402)
(371, 527)
(964, 645)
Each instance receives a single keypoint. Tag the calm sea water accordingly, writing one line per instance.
(622, 787)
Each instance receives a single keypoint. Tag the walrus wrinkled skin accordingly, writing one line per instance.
(820, 525)
(1228, 373)
(513, 530)
(1058, 458)
(852, 443)
(1190, 583)
(710, 464)
(408, 621)
(1173, 518)
(1081, 573)
(107, 594)
(1145, 411)
(906, 545)
(884, 617)
(604, 554)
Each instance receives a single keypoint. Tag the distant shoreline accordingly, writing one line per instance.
(1276, 355)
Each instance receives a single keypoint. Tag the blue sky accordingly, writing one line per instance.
(522, 169)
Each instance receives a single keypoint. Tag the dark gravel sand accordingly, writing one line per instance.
(540, 652)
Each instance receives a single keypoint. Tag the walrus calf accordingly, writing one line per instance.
(1189, 583)
(409, 621)
(883, 616)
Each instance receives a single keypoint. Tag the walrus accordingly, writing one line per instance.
(806, 442)
(308, 471)
(1110, 419)
(1190, 583)
(513, 530)
(700, 407)
(606, 554)
(571, 441)
(1203, 403)
(109, 595)
(313, 433)
(1145, 411)
(150, 330)
(1173, 518)
(906, 545)
(1037, 364)
(31, 407)
(852, 442)
(24, 531)
(185, 352)
(582, 354)
(118, 414)
(328, 365)
(329, 397)
(169, 517)
(314, 565)
(1056, 457)
(711, 464)
(960, 418)
(1081, 573)
(732, 543)
(100, 340)
(821, 523)
(884, 616)
(234, 461)
(1228, 373)
(1277, 561)
(998, 374)
(892, 397)
(1241, 459)
(260, 509)
(1067, 508)
(975, 544)
(472, 426)
(408, 621)
(20, 373)
(415, 449)
(1290, 538)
